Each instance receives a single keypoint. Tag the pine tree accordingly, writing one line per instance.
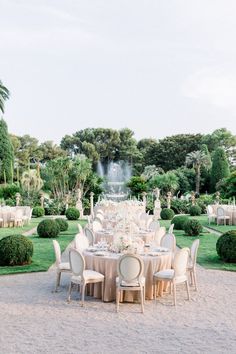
(220, 167)
(6, 154)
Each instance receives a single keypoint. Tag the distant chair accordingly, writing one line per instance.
(169, 241)
(81, 276)
(171, 229)
(80, 228)
(81, 242)
(192, 262)
(176, 275)
(221, 216)
(149, 221)
(16, 217)
(61, 266)
(97, 225)
(130, 277)
(90, 236)
(159, 234)
(154, 225)
(27, 215)
(210, 214)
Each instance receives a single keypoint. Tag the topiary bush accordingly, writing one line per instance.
(38, 212)
(63, 224)
(15, 250)
(179, 221)
(195, 210)
(48, 228)
(72, 214)
(192, 227)
(167, 214)
(226, 246)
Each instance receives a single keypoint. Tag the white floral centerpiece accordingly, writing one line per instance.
(121, 243)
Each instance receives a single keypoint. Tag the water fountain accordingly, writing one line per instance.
(115, 179)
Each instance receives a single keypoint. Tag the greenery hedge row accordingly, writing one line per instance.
(192, 227)
(72, 214)
(179, 221)
(167, 214)
(48, 228)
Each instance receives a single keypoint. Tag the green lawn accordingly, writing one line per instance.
(43, 256)
(6, 231)
(207, 255)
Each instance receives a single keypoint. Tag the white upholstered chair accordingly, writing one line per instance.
(192, 262)
(210, 214)
(130, 277)
(81, 276)
(159, 234)
(61, 266)
(154, 226)
(176, 275)
(221, 216)
(169, 241)
(80, 228)
(81, 242)
(97, 225)
(171, 229)
(90, 236)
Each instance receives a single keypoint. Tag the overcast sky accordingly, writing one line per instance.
(159, 67)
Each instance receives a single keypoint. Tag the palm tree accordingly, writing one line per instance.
(4, 95)
(198, 159)
(31, 181)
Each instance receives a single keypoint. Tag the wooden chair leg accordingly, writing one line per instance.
(174, 293)
(102, 285)
(187, 288)
(195, 279)
(142, 299)
(117, 299)
(83, 293)
(69, 292)
(58, 281)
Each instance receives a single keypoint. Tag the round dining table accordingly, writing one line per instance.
(107, 265)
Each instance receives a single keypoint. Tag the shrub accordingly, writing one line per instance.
(72, 214)
(38, 211)
(179, 221)
(180, 206)
(226, 246)
(48, 228)
(10, 202)
(192, 227)
(63, 224)
(195, 210)
(167, 214)
(15, 250)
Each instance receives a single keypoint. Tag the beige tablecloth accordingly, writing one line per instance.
(108, 266)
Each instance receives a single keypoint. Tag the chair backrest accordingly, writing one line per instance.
(99, 216)
(149, 221)
(99, 211)
(154, 225)
(57, 251)
(209, 210)
(220, 211)
(193, 251)
(81, 242)
(181, 262)
(169, 241)
(130, 268)
(97, 225)
(171, 229)
(77, 262)
(80, 228)
(159, 234)
(143, 216)
(89, 234)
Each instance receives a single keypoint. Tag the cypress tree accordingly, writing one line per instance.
(220, 167)
(6, 154)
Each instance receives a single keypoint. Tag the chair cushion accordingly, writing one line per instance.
(64, 266)
(89, 275)
(135, 283)
(165, 274)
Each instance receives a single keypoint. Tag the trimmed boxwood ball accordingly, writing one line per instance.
(179, 221)
(63, 224)
(192, 227)
(38, 212)
(226, 246)
(15, 250)
(195, 210)
(167, 214)
(72, 214)
(48, 228)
